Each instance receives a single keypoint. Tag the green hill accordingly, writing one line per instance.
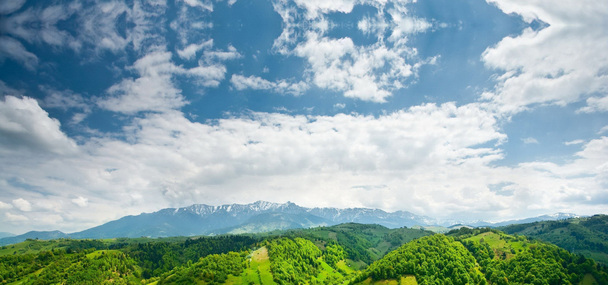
(343, 254)
(363, 244)
(587, 236)
(433, 259)
(483, 257)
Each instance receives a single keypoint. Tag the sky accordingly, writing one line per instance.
(467, 109)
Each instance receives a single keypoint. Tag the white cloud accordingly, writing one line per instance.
(63, 99)
(208, 76)
(22, 205)
(230, 54)
(404, 25)
(431, 159)
(13, 49)
(369, 73)
(561, 64)
(595, 104)
(578, 185)
(7, 7)
(317, 7)
(603, 130)
(24, 125)
(529, 140)
(15, 218)
(574, 142)
(205, 5)
(154, 89)
(7, 90)
(5, 206)
(98, 26)
(190, 51)
(80, 201)
(257, 83)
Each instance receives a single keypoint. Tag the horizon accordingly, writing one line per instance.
(459, 109)
(453, 222)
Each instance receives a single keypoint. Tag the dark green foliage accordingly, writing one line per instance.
(293, 261)
(365, 243)
(212, 269)
(434, 259)
(156, 258)
(60, 267)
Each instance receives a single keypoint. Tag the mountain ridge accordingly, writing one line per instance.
(259, 216)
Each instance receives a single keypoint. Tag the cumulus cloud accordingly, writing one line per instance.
(369, 73)
(22, 205)
(579, 183)
(339, 65)
(561, 64)
(257, 83)
(315, 8)
(24, 125)
(154, 89)
(595, 104)
(5, 206)
(15, 217)
(432, 159)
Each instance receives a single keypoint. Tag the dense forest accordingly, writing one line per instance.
(342, 254)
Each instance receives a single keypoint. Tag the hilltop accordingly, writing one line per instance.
(341, 254)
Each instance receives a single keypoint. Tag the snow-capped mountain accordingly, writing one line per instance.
(260, 216)
(200, 219)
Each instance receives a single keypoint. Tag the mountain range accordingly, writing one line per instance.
(260, 216)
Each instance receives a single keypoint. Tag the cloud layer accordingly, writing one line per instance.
(439, 159)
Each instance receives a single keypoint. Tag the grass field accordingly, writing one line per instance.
(504, 246)
(258, 271)
(405, 280)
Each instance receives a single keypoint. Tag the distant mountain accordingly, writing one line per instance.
(260, 216)
(5, 234)
(33, 235)
(553, 217)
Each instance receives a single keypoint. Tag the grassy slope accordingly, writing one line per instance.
(587, 236)
(258, 271)
(505, 246)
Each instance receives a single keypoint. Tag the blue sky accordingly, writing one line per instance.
(464, 109)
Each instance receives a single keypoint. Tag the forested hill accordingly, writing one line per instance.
(587, 236)
(343, 254)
